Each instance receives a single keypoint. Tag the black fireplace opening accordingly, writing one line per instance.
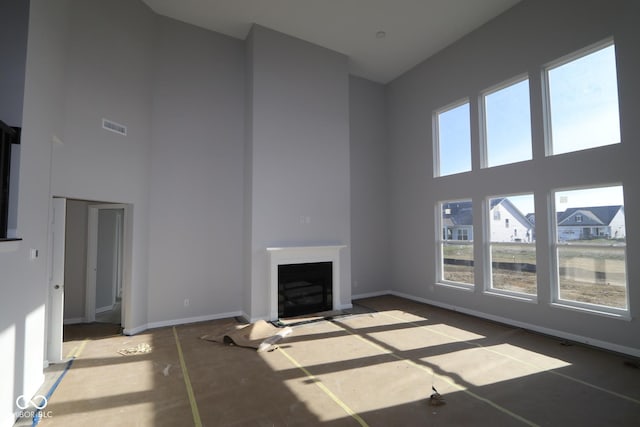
(304, 288)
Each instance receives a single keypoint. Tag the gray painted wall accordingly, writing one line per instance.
(196, 173)
(299, 154)
(369, 168)
(22, 318)
(519, 41)
(108, 74)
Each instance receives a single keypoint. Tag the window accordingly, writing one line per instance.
(452, 136)
(578, 218)
(591, 253)
(513, 258)
(496, 214)
(506, 223)
(583, 101)
(455, 250)
(9, 157)
(507, 123)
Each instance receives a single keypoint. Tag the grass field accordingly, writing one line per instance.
(589, 272)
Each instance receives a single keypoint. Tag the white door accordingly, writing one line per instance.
(56, 281)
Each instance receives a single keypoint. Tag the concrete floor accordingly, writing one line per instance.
(375, 368)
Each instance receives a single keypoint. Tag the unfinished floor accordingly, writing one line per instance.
(375, 369)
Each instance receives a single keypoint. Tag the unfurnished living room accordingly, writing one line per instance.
(306, 212)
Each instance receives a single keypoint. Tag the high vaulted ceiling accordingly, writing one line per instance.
(413, 29)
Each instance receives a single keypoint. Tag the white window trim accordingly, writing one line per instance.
(439, 258)
(556, 301)
(546, 95)
(435, 138)
(482, 110)
(488, 288)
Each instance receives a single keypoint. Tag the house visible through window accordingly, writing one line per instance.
(9, 158)
(455, 250)
(585, 223)
(513, 259)
(591, 259)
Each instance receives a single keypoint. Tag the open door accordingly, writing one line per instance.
(104, 259)
(56, 281)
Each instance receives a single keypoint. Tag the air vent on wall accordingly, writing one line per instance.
(114, 127)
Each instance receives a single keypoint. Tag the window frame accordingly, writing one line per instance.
(436, 136)
(482, 110)
(439, 258)
(9, 136)
(546, 92)
(555, 261)
(488, 288)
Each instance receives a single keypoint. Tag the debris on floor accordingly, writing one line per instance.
(260, 335)
(141, 348)
(436, 398)
(165, 371)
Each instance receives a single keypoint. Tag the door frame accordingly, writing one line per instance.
(92, 257)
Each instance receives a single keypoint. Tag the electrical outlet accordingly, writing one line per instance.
(186, 302)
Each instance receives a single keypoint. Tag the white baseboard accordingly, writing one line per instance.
(370, 295)
(547, 331)
(74, 321)
(186, 320)
(136, 330)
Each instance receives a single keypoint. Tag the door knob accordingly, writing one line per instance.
(56, 287)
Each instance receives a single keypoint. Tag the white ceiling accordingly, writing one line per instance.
(415, 29)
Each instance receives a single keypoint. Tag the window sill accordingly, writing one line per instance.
(610, 314)
(9, 244)
(454, 285)
(519, 297)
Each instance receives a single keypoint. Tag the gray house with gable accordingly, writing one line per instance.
(585, 223)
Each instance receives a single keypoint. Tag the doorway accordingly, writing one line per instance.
(90, 266)
(103, 302)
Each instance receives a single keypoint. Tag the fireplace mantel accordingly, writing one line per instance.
(300, 255)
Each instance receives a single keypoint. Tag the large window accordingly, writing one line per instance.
(582, 228)
(512, 248)
(456, 244)
(507, 124)
(590, 247)
(452, 140)
(583, 101)
(9, 156)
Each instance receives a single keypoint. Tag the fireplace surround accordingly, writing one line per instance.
(290, 255)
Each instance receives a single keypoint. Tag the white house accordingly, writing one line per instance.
(586, 223)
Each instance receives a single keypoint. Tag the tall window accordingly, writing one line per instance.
(9, 150)
(590, 247)
(507, 124)
(583, 101)
(456, 247)
(512, 249)
(452, 140)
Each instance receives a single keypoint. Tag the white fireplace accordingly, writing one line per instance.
(302, 255)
